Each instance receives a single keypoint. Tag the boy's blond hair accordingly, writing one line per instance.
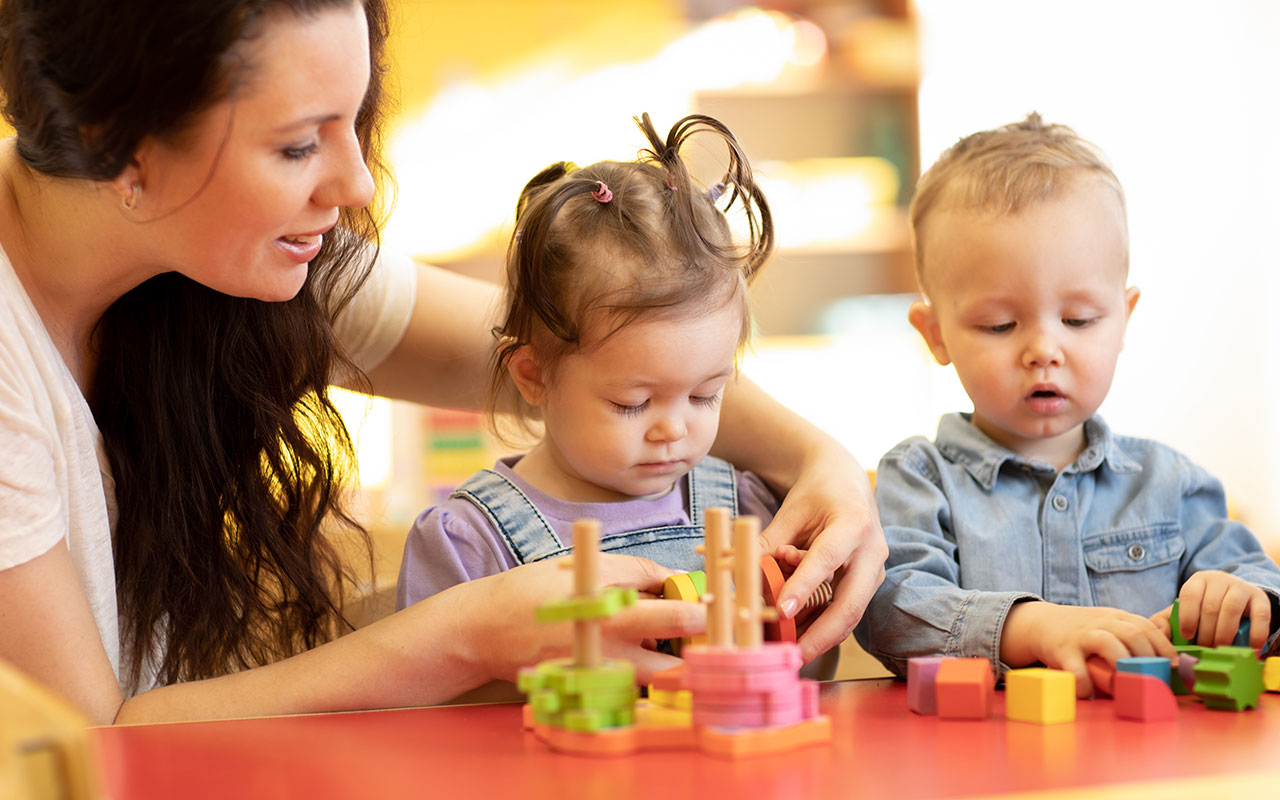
(1004, 170)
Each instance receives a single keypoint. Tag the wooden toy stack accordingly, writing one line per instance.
(736, 695)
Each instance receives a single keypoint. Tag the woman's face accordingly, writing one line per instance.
(240, 203)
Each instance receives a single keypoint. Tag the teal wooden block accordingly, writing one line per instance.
(1154, 666)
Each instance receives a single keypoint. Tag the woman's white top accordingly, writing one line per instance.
(55, 481)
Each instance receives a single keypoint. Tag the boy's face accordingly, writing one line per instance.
(1031, 309)
(629, 417)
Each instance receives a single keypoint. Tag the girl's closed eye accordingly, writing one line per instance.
(629, 410)
(704, 399)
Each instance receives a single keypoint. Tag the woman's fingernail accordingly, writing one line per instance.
(789, 607)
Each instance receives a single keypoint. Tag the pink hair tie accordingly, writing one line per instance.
(602, 194)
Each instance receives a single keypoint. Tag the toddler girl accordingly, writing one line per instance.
(626, 308)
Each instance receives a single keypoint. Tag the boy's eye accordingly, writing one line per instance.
(1003, 327)
(629, 411)
(1071, 322)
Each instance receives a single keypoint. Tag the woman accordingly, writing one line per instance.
(181, 222)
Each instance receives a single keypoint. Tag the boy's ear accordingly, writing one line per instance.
(923, 319)
(1130, 300)
(527, 374)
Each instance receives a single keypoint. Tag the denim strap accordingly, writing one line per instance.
(529, 537)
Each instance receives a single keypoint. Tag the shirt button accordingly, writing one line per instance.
(1136, 552)
(1060, 502)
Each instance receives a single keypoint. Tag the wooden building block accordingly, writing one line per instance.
(1229, 678)
(1144, 698)
(1271, 674)
(1154, 666)
(1045, 696)
(964, 688)
(922, 673)
(1101, 674)
(1184, 677)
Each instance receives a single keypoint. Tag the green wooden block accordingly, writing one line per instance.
(1175, 636)
(1229, 678)
(1196, 652)
(609, 602)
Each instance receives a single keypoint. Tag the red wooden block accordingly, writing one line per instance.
(1145, 698)
(964, 688)
(1102, 674)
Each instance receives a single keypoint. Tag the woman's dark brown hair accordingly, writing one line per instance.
(658, 245)
(225, 451)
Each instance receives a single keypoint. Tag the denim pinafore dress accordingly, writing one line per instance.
(529, 536)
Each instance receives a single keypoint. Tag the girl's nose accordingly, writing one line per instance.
(668, 429)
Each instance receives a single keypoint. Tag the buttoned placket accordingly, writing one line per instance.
(1060, 534)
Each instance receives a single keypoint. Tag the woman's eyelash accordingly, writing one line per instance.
(299, 153)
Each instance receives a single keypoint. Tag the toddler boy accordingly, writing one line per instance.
(1026, 531)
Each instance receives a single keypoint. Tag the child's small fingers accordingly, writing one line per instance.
(1074, 663)
(1235, 602)
(1161, 620)
(1259, 619)
(1207, 624)
(1190, 599)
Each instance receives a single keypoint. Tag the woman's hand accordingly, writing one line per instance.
(830, 513)
(496, 617)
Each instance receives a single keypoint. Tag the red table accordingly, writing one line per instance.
(879, 749)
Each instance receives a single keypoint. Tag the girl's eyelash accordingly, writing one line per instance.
(705, 400)
(629, 411)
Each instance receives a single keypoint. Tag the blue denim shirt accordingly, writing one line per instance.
(973, 528)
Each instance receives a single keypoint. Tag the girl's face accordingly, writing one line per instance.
(240, 203)
(629, 417)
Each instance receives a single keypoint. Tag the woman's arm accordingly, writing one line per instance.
(827, 508)
(433, 651)
(443, 358)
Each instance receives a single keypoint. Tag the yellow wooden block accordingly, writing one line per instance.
(1271, 674)
(1041, 695)
(681, 698)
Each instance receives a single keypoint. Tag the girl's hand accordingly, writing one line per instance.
(1063, 637)
(1210, 607)
(495, 617)
(831, 513)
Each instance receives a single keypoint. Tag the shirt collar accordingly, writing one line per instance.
(962, 443)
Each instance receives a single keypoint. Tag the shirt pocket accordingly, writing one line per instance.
(1135, 569)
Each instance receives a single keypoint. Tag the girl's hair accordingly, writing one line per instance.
(1004, 170)
(584, 262)
(225, 450)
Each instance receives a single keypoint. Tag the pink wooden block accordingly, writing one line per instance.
(922, 671)
(964, 688)
(1145, 698)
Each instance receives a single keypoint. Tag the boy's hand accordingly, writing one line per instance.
(1210, 607)
(1062, 637)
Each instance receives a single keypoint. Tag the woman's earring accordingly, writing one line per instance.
(131, 200)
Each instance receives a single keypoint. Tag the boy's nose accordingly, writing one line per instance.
(1042, 351)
